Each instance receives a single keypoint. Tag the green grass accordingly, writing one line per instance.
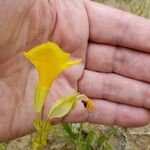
(3, 146)
(84, 136)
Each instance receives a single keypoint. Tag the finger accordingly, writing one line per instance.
(115, 88)
(109, 113)
(123, 61)
(112, 26)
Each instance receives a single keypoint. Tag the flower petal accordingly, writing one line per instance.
(40, 96)
(88, 104)
(50, 61)
(70, 63)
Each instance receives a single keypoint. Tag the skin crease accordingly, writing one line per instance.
(114, 71)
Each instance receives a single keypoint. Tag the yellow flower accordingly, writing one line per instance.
(50, 61)
(88, 104)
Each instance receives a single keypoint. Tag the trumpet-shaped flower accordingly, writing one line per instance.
(50, 61)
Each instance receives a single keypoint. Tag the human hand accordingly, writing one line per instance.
(114, 47)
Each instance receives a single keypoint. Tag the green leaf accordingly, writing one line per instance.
(107, 147)
(69, 131)
(63, 106)
(42, 125)
(102, 139)
(3, 146)
(89, 140)
(80, 145)
(39, 140)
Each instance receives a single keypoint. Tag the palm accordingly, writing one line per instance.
(19, 77)
(71, 25)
